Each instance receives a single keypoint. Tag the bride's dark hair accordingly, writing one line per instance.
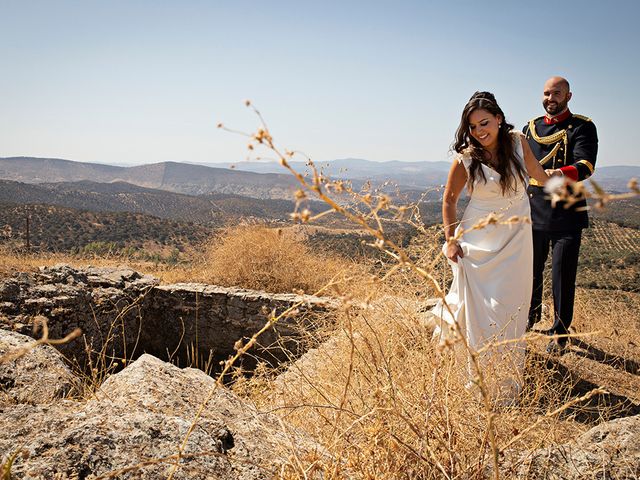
(507, 165)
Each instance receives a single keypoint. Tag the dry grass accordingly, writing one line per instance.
(387, 403)
(612, 356)
(12, 261)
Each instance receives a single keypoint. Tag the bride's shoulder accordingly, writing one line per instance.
(464, 157)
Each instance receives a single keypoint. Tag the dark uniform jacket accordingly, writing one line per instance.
(570, 145)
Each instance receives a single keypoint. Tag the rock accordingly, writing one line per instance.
(7, 307)
(9, 289)
(608, 451)
(139, 418)
(63, 273)
(119, 277)
(40, 376)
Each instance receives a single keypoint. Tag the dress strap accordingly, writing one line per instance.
(519, 151)
(465, 159)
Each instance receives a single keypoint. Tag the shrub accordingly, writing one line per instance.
(270, 259)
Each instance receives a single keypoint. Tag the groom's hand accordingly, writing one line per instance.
(554, 172)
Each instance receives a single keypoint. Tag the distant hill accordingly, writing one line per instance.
(625, 213)
(418, 174)
(256, 179)
(406, 174)
(213, 209)
(616, 179)
(171, 176)
(55, 228)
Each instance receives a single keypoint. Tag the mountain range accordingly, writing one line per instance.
(171, 176)
(410, 175)
(213, 209)
(405, 174)
(72, 204)
(253, 178)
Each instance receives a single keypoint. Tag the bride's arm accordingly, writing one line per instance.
(455, 183)
(534, 169)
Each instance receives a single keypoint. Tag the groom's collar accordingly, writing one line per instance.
(558, 118)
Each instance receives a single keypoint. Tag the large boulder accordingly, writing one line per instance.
(136, 422)
(39, 375)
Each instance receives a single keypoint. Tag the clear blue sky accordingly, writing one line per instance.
(147, 81)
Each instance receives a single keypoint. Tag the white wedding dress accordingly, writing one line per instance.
(491, 288)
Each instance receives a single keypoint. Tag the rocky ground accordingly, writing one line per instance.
(135, 425)
(141, 421)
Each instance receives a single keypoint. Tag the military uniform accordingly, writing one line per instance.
(569, 143)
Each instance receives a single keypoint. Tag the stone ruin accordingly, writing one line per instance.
(123, 314)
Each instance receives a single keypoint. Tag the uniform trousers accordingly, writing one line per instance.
(565, 247)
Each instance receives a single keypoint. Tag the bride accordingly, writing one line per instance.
(493, 265)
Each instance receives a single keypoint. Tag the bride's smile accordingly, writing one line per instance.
(484, 127)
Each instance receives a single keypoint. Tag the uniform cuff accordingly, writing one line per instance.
(570, 172)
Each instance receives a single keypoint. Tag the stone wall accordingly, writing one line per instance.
(124, 314)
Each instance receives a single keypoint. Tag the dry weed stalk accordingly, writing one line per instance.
(241, 349)
(571, 192)
(439, 450)
(322, 188)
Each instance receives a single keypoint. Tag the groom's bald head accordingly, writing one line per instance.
(556, 95)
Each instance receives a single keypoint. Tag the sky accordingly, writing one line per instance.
(137, 81)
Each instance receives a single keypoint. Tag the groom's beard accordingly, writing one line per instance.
(554, 108)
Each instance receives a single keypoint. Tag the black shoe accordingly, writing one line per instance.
(557, 347)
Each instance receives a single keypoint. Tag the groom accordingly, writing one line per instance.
(567, 143)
